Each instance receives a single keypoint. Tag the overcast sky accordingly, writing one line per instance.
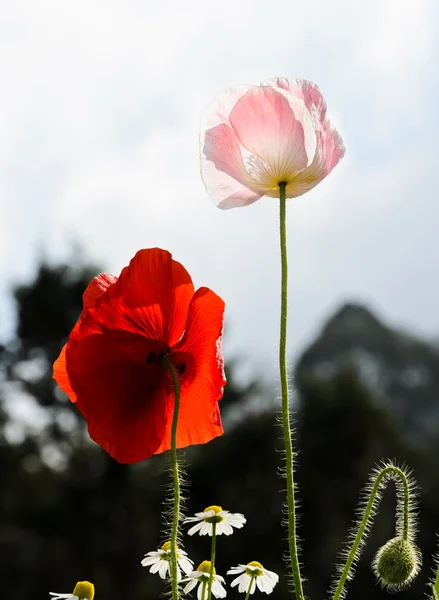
(99, 115)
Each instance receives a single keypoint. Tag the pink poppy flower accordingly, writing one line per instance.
(254, 137)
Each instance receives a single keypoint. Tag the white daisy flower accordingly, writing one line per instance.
(84, 590)
(201, 577)
(159, 561)
(225, 521)
(255, 574)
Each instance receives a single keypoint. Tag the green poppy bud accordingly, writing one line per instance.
(397, 563)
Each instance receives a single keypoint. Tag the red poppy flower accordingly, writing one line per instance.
(111, 365)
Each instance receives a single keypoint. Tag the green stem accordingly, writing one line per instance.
(175, 478)
(436, 586)
(203, 590)
(250, 587)
(370, 511)
(212, 561)
(292, 535)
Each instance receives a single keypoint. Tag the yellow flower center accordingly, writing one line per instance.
(216, 518)
(84, 590)
(216, 509)
(204, 567)
(255, 572)
(167, 546)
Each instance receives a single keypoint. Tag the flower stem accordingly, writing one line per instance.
(212, 561)
(175, 478)
(203, 590)
(250, 587)
(292, 535)
(436, 586)
(386, 473)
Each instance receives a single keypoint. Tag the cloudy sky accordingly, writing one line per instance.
(99, 114)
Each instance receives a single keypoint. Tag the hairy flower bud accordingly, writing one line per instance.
(397, 563)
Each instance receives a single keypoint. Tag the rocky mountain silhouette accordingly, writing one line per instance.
(400, 370)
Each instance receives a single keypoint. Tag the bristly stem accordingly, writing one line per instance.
(435, 585)
(175, 479)
(292, 525)
(212, 561)
(387, 472)
(250, 586)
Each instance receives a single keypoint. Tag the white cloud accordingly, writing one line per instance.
(98, 140)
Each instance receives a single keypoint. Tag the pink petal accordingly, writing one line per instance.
(276, 127)
(222, 169)
(255, 136)
(307, 91)
(330, 147)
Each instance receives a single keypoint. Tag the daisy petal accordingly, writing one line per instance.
(148, 561)
(186, 565)
(190, 586)
(244, 583)
(218, 590)
(163, 568)
(195, 528)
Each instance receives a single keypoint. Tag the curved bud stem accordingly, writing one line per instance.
(176, 480)
(405, 517)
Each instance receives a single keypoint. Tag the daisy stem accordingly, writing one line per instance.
(289, 467)
(175, 478)
(212, 561)
(250, 587)
(203, 590)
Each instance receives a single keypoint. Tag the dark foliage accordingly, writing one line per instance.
(83, 516)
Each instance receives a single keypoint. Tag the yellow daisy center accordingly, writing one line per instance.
(84, 589)
(216, 517)
(216, 509)
(204, 567)
(255, 572)
(167, 546)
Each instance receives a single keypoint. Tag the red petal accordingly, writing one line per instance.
(203, 379)
(60, 374)
(121, 396)
(96, 288)
(151, 297)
